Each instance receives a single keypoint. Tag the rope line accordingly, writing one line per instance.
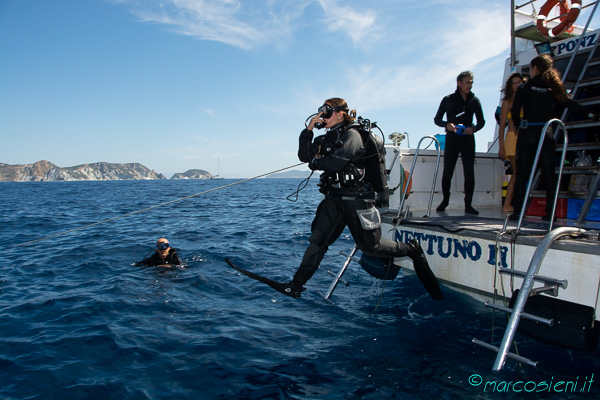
(156, 206)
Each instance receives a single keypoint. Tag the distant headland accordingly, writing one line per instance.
(101, 171)
(45, 171)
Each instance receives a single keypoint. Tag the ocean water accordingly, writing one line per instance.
(78, 320)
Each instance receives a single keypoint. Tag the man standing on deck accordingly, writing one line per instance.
(459, 108)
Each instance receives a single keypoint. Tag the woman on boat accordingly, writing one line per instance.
(508, 143)
(349, 199)
(542, 98)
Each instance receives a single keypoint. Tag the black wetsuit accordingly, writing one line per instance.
(171, 259)
(459, 112)
(539, 106)
(348, 200)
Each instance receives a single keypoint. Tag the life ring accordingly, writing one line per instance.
(563, 9)
(565, 22)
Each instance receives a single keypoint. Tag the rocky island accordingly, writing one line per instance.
(193, 174)
(101, 171)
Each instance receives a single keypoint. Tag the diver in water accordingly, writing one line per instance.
(164, 255)
(349, 199)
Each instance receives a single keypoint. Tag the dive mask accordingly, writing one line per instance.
(326, 111)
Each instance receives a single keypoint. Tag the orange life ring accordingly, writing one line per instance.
(563, 9)
(565, 22)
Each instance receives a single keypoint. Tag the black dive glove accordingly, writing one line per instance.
(312, 164)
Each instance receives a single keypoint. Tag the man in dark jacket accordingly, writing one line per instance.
(459, 108)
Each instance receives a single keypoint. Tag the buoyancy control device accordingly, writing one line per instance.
(373, 162)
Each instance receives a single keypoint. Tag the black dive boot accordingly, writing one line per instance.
(470, 210)
(442, 205)
(423, 271)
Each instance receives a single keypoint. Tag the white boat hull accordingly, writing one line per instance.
(465, 252)
(469, 263)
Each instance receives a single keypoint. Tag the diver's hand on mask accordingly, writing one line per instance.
(316, 122)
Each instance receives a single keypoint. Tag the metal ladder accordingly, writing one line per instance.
(351, 256)
(582, 81)
(517, 312)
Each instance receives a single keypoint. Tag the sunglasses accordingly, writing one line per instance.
(162, 246)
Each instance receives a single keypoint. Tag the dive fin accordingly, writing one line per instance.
(429, 281)
(424, 273)
(285, 288)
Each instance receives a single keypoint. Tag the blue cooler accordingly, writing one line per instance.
(442, 139)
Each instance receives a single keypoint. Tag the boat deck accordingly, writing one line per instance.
(490, 222)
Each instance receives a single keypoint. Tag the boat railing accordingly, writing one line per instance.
(561, 126)
(412, 169)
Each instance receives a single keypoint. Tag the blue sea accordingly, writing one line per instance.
(78, 320)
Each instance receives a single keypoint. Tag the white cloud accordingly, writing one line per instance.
(485, 35)
(249, 24)
(404, 64)
(359, 24)
(243, 24)
(418, 78)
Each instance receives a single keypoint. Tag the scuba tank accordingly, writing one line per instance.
(580, 182)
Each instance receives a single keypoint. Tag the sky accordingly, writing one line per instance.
(227, 85)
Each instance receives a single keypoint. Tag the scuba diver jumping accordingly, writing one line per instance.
(341, 155)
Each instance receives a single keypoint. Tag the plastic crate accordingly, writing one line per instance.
(575, 206)
(538, 207)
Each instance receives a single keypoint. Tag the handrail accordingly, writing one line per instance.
(412, 168)
(519, 307)
(493, 143)
(524, 4)
(576, 51)
(534, 167)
